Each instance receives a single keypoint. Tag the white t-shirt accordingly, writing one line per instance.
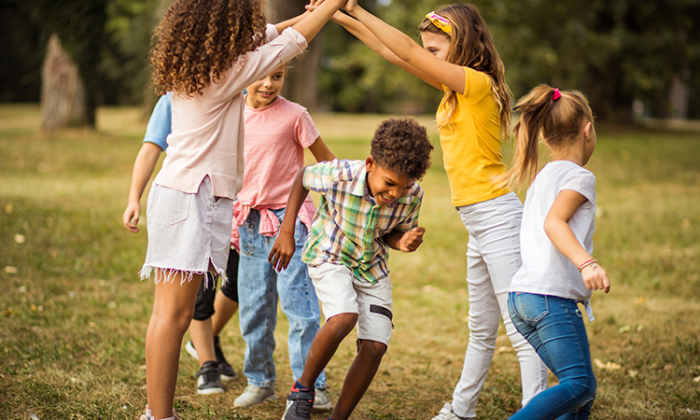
(545, 270)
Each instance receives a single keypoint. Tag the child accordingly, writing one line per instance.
(277, 131)
(557, 237)
(213, 364)
(460, 58)
(206, 53)
(364, 207)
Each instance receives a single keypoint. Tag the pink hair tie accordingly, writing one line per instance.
(556, 95)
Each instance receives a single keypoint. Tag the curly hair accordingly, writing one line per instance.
(198, 40)
(402, 146)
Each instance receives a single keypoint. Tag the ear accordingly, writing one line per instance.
(587, 130)
(369, 163)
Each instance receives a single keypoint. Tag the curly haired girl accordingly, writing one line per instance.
(207, 52)
(460, 58)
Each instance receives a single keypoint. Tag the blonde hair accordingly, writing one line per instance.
(471, 45)
(558, 120)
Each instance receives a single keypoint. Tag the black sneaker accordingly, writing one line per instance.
(299, 405)
(209, 379)
(227, 372)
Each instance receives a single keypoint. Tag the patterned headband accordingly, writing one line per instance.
(440, 22)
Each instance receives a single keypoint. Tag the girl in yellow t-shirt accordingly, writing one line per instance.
(459, 57)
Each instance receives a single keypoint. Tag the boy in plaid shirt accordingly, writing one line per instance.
(365, 207)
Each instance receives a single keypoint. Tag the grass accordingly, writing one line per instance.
(73, 314)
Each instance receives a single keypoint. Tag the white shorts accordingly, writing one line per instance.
(341, 292)
(189, 233)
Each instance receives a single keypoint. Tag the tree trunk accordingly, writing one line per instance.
(679, 95)
(301, 84)
(63, 101)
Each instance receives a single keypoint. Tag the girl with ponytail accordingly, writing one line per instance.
(558, 271)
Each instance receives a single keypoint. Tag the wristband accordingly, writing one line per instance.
(586, 264)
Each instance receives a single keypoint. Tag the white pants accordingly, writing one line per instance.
(493, 257)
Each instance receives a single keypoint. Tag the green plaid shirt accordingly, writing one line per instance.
(348, 225)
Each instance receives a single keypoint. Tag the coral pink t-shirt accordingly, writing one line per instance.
(275, 138)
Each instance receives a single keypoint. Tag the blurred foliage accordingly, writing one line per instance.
(616, 51)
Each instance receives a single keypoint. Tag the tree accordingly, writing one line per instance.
(79, 28)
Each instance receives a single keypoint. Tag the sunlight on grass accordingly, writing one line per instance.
(74, 314)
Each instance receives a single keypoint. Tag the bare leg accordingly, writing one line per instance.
(325, 345)
(173, 308)
(359, 377)
(203, 340)
(224, 308)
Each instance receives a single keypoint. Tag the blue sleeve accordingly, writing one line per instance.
(160, 123)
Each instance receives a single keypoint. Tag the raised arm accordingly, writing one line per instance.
(406, 49)
(290, 22)
(312, 23)
(143, 169)
(556, 226)
(367, 37)
(284, 247)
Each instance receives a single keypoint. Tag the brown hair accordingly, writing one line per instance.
(198, 40)
(559, 122)
(402, 146)
(471, 45)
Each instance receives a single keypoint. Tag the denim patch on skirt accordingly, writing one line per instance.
(187, 233)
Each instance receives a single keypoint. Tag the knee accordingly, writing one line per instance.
(584, 390)
(372, 349)
(342, 324)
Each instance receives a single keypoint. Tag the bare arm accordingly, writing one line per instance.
(405, 241)
(312, 23)
(143, 169)
(284, 247)
(556, 225)
(438, 70)
(290, 22)
(321, 151)
(367, 37)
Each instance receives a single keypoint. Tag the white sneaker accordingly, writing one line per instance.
(189, 347)
(446, 413)
(321, 402)
(254, 395)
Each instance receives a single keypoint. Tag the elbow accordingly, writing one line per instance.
(550, 227)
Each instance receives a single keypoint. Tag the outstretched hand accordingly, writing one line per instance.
(282, 251)
(595, 278)
(411, 240)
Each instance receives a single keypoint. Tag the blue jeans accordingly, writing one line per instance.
(259, 288)
(554, 327)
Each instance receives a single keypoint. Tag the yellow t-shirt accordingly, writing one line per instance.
(471, 142)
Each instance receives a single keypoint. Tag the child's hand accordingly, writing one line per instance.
(350, 6)
(595, 278)
(411, 240)
(282, 251)
(131, 217)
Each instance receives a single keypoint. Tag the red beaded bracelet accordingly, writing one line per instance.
(586, 264)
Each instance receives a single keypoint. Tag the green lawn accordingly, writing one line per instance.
(73, 313)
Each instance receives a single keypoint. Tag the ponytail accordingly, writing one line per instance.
(547, 112)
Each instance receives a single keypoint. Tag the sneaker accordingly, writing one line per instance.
(189, 347)
(322, 402)
(148, 416)
(227, 372)
(209, 379)
(446, 413)
(254, 395)
(299, 405)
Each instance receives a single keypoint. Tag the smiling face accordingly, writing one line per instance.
(263, 92)
(436, 44)
(384, 184)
